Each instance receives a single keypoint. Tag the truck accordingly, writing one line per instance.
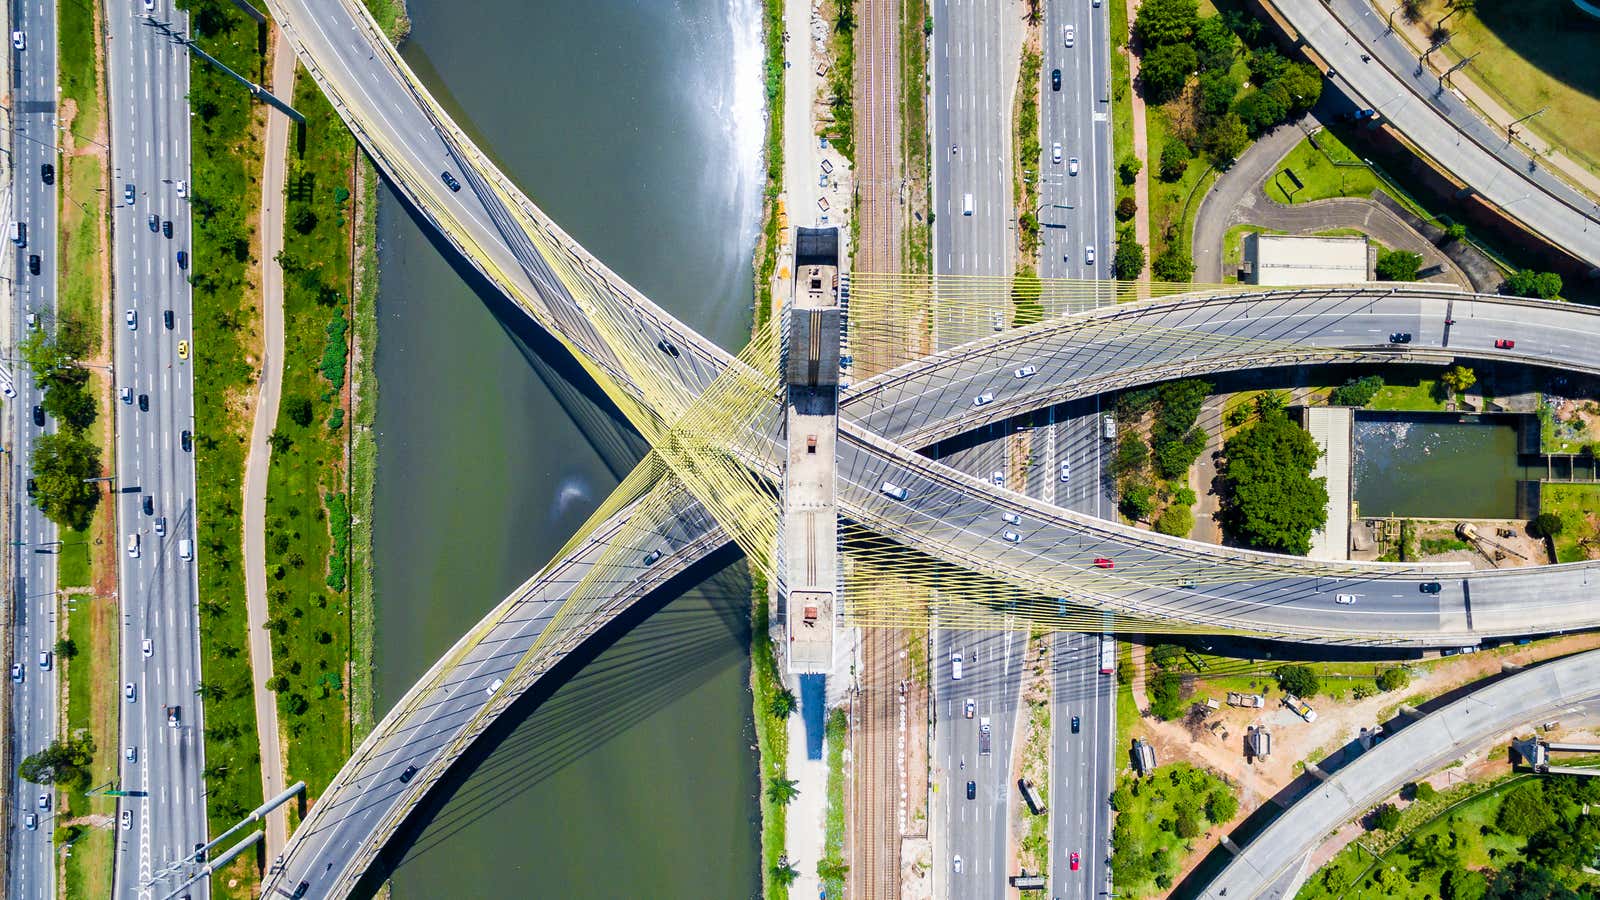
(1300, 707)
(984, 737)
(1108, 654)
(1249, 701)
(173, 715)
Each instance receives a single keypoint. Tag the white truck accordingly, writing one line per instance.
(984, 736)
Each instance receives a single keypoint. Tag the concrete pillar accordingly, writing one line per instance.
(1231, 846)
(1316, 772)
(1509, 666)
(1410, 712)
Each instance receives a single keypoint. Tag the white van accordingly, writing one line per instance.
(955, 667)
(133, 546)
(19, 232)
(1108, 428)
(966, 205)
(891, 489)
(186, 549)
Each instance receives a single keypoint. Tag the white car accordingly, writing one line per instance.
(1012, 537)
(1011, 518)
(127, 395)
(19, 40)
(957, 862)
(1068, 35)
(1346, 599)
(1066, 472)
(128, 691)
(983, 399)
(133, 546)
(147, 648)
(970, 708)
(131, 754)
(149, 5)
(1088, 255)
(183, 189)
(1072, 166)
(127, 819)
(1025, 371)
(132, 318)
(998, 477)
(497, 685)
(1055, 153)
(9, 391)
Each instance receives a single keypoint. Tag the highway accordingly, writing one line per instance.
(1441, 125)
(149, 123)
(1075, 211)
(34, 708)
(1083, 767)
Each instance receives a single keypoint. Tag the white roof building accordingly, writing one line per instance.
(1290, 259)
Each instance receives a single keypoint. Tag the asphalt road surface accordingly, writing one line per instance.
(149, 118)
(1075, 210)
(34, 709)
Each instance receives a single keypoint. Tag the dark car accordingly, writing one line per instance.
(669, 349)
(187, 441)
(166, 229)
(972, 790)
(149, 505)
(1055, 79)
(38, 416)
(33, 487)
(166, 319)
(33, 263)
(1400, 337)
(300, 890)
(1074, 724)
(1429, 587)
(408, 774)
(155, 222)
(144, 403)
(47, 173)
(450, 181)
(183, 260)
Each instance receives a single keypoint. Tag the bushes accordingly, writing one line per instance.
(1129, 259)
(1398, 265)
(1128, 168)
(1176, 520)
(334, 354)
(1127, 207)
(1394, 679)
(1301, 681)
(1386, 817)
(1173, 264)
(1356, 391)
(1528, 283)
(1174, 160)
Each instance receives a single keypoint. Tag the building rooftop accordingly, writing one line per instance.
(1288, 259)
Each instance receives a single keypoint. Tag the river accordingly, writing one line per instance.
(637, 127)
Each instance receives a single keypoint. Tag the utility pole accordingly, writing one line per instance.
(1460, 65)
(1511, 129)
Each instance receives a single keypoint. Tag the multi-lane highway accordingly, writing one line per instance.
(1075, 209)
(161, 763)
(34, 710)
(1083, 767)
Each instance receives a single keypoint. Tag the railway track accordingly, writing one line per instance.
(878, 175)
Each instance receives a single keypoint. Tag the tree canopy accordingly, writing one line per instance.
(65, 761)
(1528, 283)
(1357, 391)
(1159, 22)
(1398, 265)
(1129, 259)
(1270, 501)
(1302, 681)
(1164, 70)
(62, 461)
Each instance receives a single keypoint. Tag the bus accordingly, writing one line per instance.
(1108, 654)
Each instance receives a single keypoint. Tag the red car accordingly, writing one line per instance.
(1074, 860)
(1103, 563)
(1504, 344)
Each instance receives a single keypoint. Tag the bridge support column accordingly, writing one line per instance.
(1410, 712)
(1509, 667)
(1231, 847)
(1316, 772)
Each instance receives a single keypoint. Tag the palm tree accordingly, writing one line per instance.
(782, 790)
(784, 704)
(1033, 15)
(832, 869)
(784, 873)
(1455, 7)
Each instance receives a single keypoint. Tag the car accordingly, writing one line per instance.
(149, 5)
(127, 819)
(1074, 724)
(8, 390)
(155, 223)
(161, 526)
(983, 399)
(47, 173)
(1025, 371)
(999, 322)
(1504, 343)
(127, 194)
(1073, 860)
(1066, 472)
(1012, 537)
(38, 416)
(183, 189)
(133, 546)
(44, 660)
(144, 403)
(1344, 599)
(998, 477)
(496, 685)
(1069, 35)
(19, 40)
(409, 773)
(147, 647)
(128, 691)
(127, 395)
(173, 715)
(956, 861)
(1430, 587)
(31, 821)
(148, 505)
(33, 321)
(33, 264)
(972, 790)
(1088, 255)
(183, 259)
(33, 488)
(970, 707)
(131, 754)
(132, 318)
(1400, 337)
(1055, 152)
(1055, 79)
(17, 676)
(1011, 518)
(183, 349)
(1102, 562)
(652, 557)
(44, 801)
(1072, 166)
(166, 229)
(667, 348)
(187, 440)
(955, 667)
(450, 181)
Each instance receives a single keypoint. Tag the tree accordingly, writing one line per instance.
(1224, 138)
(1263, 108)
(1221, 806)
(1455, 231)
(62, 461)
(1424, 792)
(1132, 454)
(1525, 811)
(1546, 525)
(1174, 458)
(303, 219)
(1173, 264)
(1462, 884)
(1457, 6)
(1138, 500)
(1269, 498)
(1302, 681)
(1127, 207)
(1129, 259)
(1175, 520)
(1166, 656)
(783, 704)
(1128, 168)
(1160, 22)
(279, 442)
(1303, 83)
(67, 398)
(1215, 94)
(1386, 817)
(65, 762)
(782, 790)
(67, 648)
(1394, 679)
(1188, 824)
(1214, 43)
(1266, 64)
(1174, 160)
(298, 409)
(784, 873)
(1165, 703)
(1164, 70)
(1398, 265)
(278, 683)
(1458, 378)
(1356, 391)
(1528, 283)
(832, 868)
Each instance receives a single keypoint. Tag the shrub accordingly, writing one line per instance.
(298, 409)
(1547, 525)
(1394, 679)
(1356, 391)
(1299, 680)
(1129, 259)
(1174, 160)
(1456, 232)
(1528, 283)
(1386, 817)
(1165, 656)
(1173, 264)
(1126, 208)
(1128, 168)
(1138, 500)
(1425, 792)
(1184, 495)
(1398, 265)
(1221, 806)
